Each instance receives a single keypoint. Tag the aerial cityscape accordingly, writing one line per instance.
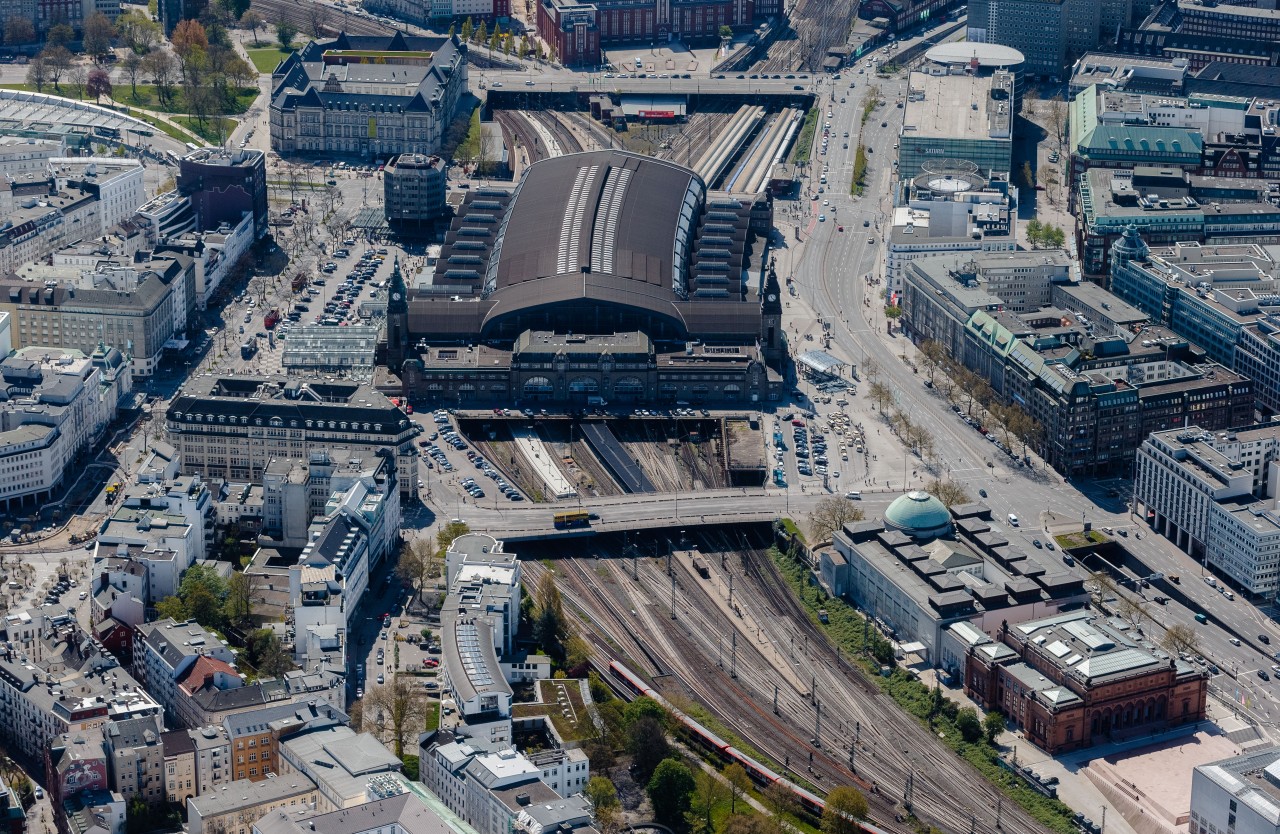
(672, 416)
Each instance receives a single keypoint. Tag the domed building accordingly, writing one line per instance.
(918, 515)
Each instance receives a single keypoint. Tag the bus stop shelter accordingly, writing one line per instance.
(819, 363)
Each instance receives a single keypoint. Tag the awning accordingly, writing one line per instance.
(176, 344)
(913, 648)
(820, 361)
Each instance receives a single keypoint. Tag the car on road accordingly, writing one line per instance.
(1262, 638)
(983, 493)
(381, 678)
(822, 218)
(839, 228)
(1262, 673)
(1235, 641)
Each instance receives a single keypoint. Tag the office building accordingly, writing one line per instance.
(234, 807)
(1076, 680)
(348, 768)
(1051, 34)
(572, 29)
(55, 404)
(1222, 296)
(1167, 206)
(115, 182)
(267, 418)
(1129, 73)
(223, 185)
(21, 155)
(370, 96)
(978, 222)
(964, 117)
(413, 186)
(1240, 794)
(1096, 393)
(1214, 495)
(408, 812)
(140, 306)
(921, 568)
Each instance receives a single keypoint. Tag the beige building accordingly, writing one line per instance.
(236, 806)
(135, 758)
(135, 307)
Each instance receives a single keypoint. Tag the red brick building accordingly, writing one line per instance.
(1073, 681)
(578, 29)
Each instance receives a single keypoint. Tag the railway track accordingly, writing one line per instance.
(312, 18)
(889, 745)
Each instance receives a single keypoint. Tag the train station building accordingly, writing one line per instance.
(602, 278)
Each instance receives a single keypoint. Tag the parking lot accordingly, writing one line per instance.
(435, 459)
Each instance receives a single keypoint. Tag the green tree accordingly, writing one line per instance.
(482, 33)
(993, 725)
(60, 34)
(1035, 232)
(968, 724)
(285, 32)
(669, 791)
(726, 32)
(708, 792)
(549, 627)
(242, 592)
(412, 766)
(97, 34)
(845, 806)
(1028, 178)
(603, 797)
(18, 30)
(267, 654)
(647, 745)
(467, 30)
(739, 783)
(645, 707)
(138, 31)
(171, 608)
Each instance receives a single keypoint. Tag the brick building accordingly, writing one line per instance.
(1074, 680)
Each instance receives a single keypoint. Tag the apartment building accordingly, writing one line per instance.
(255, 735)
(136, 759)
(234, 807)
(163, 652)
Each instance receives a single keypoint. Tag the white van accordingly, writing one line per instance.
(1013, 520)
(853, 495)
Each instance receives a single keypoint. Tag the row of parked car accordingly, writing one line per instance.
(494, 475)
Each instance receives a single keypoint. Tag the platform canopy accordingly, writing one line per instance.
(821, 361)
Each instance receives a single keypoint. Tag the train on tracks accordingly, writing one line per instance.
(808, 800)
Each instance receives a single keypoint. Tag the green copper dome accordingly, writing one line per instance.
(919, 515)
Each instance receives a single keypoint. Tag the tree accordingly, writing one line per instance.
(708, 792)
(138, 32)
(160, 65)
(993, 725)
(98, 84)
(18, 30)
(881, 394)
(482, 32)
(1180, 639)
(267, 654)
(605, 806)
(242, 592)
(58, 61)
(97, 33)
(644, 707)
(78, 76)
(781, 803)
(830, 515)
(1035, 232)
(467, 30)
(1132, 610)
(401, 705)
(739, 783)
(1028, 178)
(60, 34)
(38, 73)
(253, 21)
(132, 68)
(191, 45)
(726, 32)
(647, 745)
(845, 806)
(669, 790)
(550, 627)
(412, 766)
(285, 32)
(171, 608)
(948, 492)
(318, 19)
(448, 533)
(968, 724)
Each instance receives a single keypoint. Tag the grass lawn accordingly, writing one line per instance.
(148, 98)
(267, 58)
(1072, 540)
(209, 130)
(164, 127)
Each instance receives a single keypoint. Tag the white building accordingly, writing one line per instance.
(1239, 796)
(971, 222)
(163, 651)
(215, 253)
(55, 403)
(1215, 496)
(117, 183)
(20, 155)
(53, 680)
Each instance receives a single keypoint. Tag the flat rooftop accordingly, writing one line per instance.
(959, 106)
